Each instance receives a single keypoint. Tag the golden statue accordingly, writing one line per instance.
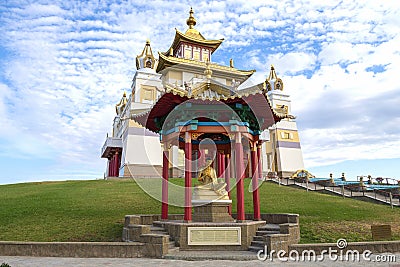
(207, 175)
(209, 181)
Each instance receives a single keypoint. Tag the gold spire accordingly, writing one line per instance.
(121, 105)
(146, 58)
(274, 80)
(231, 63)
(191, 21)
(272, 74)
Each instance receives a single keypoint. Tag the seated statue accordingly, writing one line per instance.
(208, 175)
(208, 179)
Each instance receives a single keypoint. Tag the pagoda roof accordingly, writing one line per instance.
(168, 60)
(256, 97)
(195, 37)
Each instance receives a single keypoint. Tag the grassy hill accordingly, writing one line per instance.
(95, 210)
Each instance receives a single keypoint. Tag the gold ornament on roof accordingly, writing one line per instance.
(273, 78)
(121, 105)
(191, 21)
(272, 74)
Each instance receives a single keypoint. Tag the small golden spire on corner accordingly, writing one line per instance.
(272, 74)
(231, 63)
(148, 42)
(124, 94)
(191, 21)
(275, 82)
(208, 71)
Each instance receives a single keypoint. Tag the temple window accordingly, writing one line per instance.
(148, 63)
(286, 135)
(188, 52)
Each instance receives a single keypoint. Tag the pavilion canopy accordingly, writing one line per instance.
(210, 93)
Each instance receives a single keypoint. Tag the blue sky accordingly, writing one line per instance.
(65, 64)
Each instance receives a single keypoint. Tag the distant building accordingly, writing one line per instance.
(133, 151)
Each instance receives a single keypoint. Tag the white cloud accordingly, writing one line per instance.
(69, 63)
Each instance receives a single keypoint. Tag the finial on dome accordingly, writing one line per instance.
(275, 82)
(231, 63)
(191, 21)
(148, 42)
(272, 74)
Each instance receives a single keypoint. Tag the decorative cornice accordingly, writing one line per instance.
(215, 67)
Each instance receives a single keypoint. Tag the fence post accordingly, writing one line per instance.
(307, 184)
(391, 199)
(342, 190)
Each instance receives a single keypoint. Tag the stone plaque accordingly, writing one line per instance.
(210, 236)
(381, 232)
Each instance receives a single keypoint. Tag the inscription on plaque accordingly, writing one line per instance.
(214, 236)
(381, 232)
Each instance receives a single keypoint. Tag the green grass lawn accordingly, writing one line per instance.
(95, 210)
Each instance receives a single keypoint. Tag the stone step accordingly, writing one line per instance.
(256, 248)
(258, 238)
(269, 227)
(173, 250)
(171, 245)
(156, 228)
(261, 233)
(159, 232)
(257, 243)
(158, 224)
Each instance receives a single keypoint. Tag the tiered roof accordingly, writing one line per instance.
(258, 110)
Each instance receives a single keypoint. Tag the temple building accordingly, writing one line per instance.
(182, 95)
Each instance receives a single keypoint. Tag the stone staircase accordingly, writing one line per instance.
(158, 229)
(150, 233)
(258, 242)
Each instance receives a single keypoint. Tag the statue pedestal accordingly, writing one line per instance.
(208, 206)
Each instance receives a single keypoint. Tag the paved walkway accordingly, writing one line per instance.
(98, 262)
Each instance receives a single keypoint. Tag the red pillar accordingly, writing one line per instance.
(109, 168)
(228, 179)
(223, 169)
(227, 167)
(112, 165)
(239, 178)
(254, 181)
(164, 204)
(188, 178)
(259, 161)
(117, 164)
(203, 159)
(220, 168)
